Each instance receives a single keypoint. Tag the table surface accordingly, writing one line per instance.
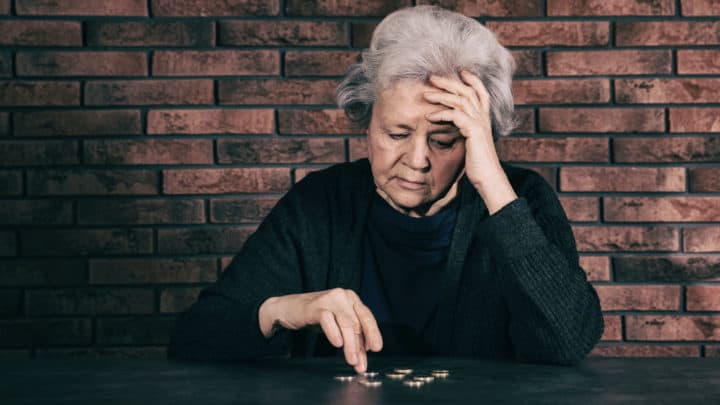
(311, 381)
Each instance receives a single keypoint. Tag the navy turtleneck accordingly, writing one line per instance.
(404, 261)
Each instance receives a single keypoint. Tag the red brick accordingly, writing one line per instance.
(226, 181)
(667, 90)
(81, 63)
(84, 301)
(105, 353)
(638, 298)
(42, 272)
(602, 120)
(358, 148)
(301, 172)
(35, 212)
(11, 182)
(5, 64)
(662, 209)
(44, 332)
(92, 182)
(219, 8)
(704, 179)
(26, 93)
(581, 209)
(140, 212)
(525, 121)
(134, 331)
(73, 123)
(669, 327)
(532, 149)
(597, 268)
(666, 268)
(10, 303)
(293, 92)
(241, 210)
(648, 33)
(8, 245)
(4, 119)
(610, 7)
(614, 179)
(102, 8)
(362, 33)
(37, 153)
(698, 61)
(315, 122)
(174, 300)
(700, 7)
(216, 121)
(225, 240)
(149, 151)
(40, 33)
(149, 92)
(281, 151)
(375, 8)
(84, 242)
(528, 63)
(701, 239)
(151, 33)
(5, 6)
(613, 328)
(548, 33)
(216, 63)
(559, 91)
(635, 350)
(283, 33)
(626, 238)
(152, 271)
(572, 63)
(703, 298)
(680, 149)
(318, 63)
(695, 119)
(502, 8)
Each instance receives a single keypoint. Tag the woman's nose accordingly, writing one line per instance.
(416, 154)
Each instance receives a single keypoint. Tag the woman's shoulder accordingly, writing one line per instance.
(527, 182)
(338, 177)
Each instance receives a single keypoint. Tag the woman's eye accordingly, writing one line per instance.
(442, 145)
(398, 136)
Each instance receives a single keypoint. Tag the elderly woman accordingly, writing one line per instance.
(431, 246)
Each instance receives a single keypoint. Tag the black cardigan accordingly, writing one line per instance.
(512, 288)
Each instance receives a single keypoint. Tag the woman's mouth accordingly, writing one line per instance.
(409, 184)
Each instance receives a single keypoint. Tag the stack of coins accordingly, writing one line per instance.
(372, 378)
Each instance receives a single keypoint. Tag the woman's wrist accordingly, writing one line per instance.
(268, 319)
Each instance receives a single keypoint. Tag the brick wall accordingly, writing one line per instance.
(141, 142)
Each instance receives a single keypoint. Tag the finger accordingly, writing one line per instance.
(371, 331)
(449, 115)
(349, 331)
(361, 367)
(479, 88)
(452, 100)
(330, 328)
(452, 85)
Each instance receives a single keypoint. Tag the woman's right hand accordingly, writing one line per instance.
(343, 318)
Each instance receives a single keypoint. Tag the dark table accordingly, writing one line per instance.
(311, 381)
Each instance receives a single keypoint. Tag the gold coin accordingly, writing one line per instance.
(424, 378)
(413, 383)
(395, 376)
(404, 370)
(440, 373)
(370, 383)
(344, 378)
(371, 374)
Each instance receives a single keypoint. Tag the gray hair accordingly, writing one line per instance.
(415, 42)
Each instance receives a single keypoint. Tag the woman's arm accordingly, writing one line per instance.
(555, 313)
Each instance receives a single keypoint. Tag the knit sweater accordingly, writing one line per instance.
(512, 287)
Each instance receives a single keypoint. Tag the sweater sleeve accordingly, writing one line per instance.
(555, 314)
(223, 323)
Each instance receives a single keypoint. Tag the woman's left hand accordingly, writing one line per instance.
(469, 110)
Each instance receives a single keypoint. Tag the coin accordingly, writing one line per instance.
(371, 374)
(395, 376)
(424, 378)
(404, 370)
(370, 383)
(440, 373)
(344, 378)
(413, 383)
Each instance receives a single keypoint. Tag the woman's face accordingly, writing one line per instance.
(414, 161)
